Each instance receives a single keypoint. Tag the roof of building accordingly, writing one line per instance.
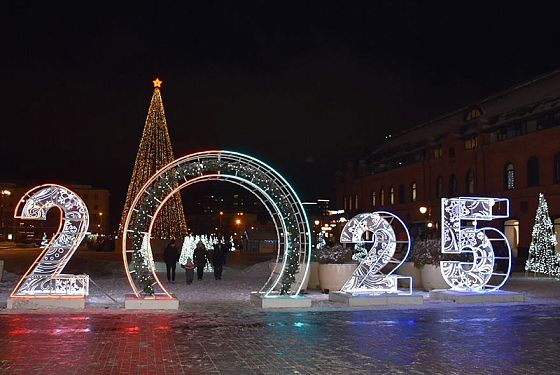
(526, 99)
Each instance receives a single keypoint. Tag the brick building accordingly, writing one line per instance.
(506, 145)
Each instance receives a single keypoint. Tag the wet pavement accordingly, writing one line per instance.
(473, 339)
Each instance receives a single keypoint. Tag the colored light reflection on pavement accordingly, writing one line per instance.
(513, 339)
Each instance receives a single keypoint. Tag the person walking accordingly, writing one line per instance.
(218, 260)
(170, 257)
(200, 259)
(189, 270)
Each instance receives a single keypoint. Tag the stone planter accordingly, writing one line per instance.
(314, 276)
(432, 278)
(408, 269)
(275, 267)
(333, 276)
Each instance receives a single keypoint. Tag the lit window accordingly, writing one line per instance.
(382, 197)
(356, 203)
(510, 177)
(373, 198)
(392, 195)
(350, 202)
(470, 143)
(414, 192)
(472, 114)
(438, 152)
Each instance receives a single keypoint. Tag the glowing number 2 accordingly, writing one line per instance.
(457, 238)
(43, 279)
(368, 278)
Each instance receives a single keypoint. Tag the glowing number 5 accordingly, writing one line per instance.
(480, 244)
(368, 278)
(44, 278)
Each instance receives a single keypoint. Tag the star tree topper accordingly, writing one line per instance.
(157, 83)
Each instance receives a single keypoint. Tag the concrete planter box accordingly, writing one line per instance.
(333, 276)
(275, 268)
(432, 278)
(314, 282)
(408, 269)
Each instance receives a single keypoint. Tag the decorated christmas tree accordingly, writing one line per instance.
(44, 241)
(543, 257)
(320, 241)
(155, 152)
(187, 251)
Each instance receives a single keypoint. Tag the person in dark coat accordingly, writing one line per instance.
(170, 257)
(218, 259)
(200, 259)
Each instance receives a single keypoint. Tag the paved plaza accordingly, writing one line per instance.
(218, 331)
(500, 339)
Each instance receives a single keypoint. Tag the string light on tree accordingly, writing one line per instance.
(543, 257)
(154, 152)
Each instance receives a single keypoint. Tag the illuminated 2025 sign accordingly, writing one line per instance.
(44, 278)
(377, 229)
(484, 246)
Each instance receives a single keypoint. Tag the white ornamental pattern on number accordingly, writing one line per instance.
(367, 278)
(44, 278)
(478, 244)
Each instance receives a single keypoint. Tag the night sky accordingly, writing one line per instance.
(304, 87)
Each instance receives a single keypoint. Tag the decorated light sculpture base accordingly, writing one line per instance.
(279, 302)
(368, 285)
(479, 278)
(43, 285)
(45, 303)
(156, 302)
(476, 297)
(274, 192)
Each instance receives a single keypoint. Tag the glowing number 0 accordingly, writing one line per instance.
(457, 238)
(368, 278)
(43, 279)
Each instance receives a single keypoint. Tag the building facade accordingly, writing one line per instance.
(97, 201)
(506, 145)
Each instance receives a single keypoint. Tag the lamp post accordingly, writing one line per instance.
(7, 193)
(423, 210)
(220, 231)
(101, 221)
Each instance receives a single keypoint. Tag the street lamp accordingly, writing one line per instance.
(220, 231)
(423, 210)
(101, 220)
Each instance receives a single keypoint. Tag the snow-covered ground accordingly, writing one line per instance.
(232, 293)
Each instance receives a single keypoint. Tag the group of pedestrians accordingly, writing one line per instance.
(171, 257)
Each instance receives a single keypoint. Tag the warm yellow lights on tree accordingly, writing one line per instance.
(154, 152)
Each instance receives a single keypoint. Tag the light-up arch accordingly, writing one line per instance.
(282, 203)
